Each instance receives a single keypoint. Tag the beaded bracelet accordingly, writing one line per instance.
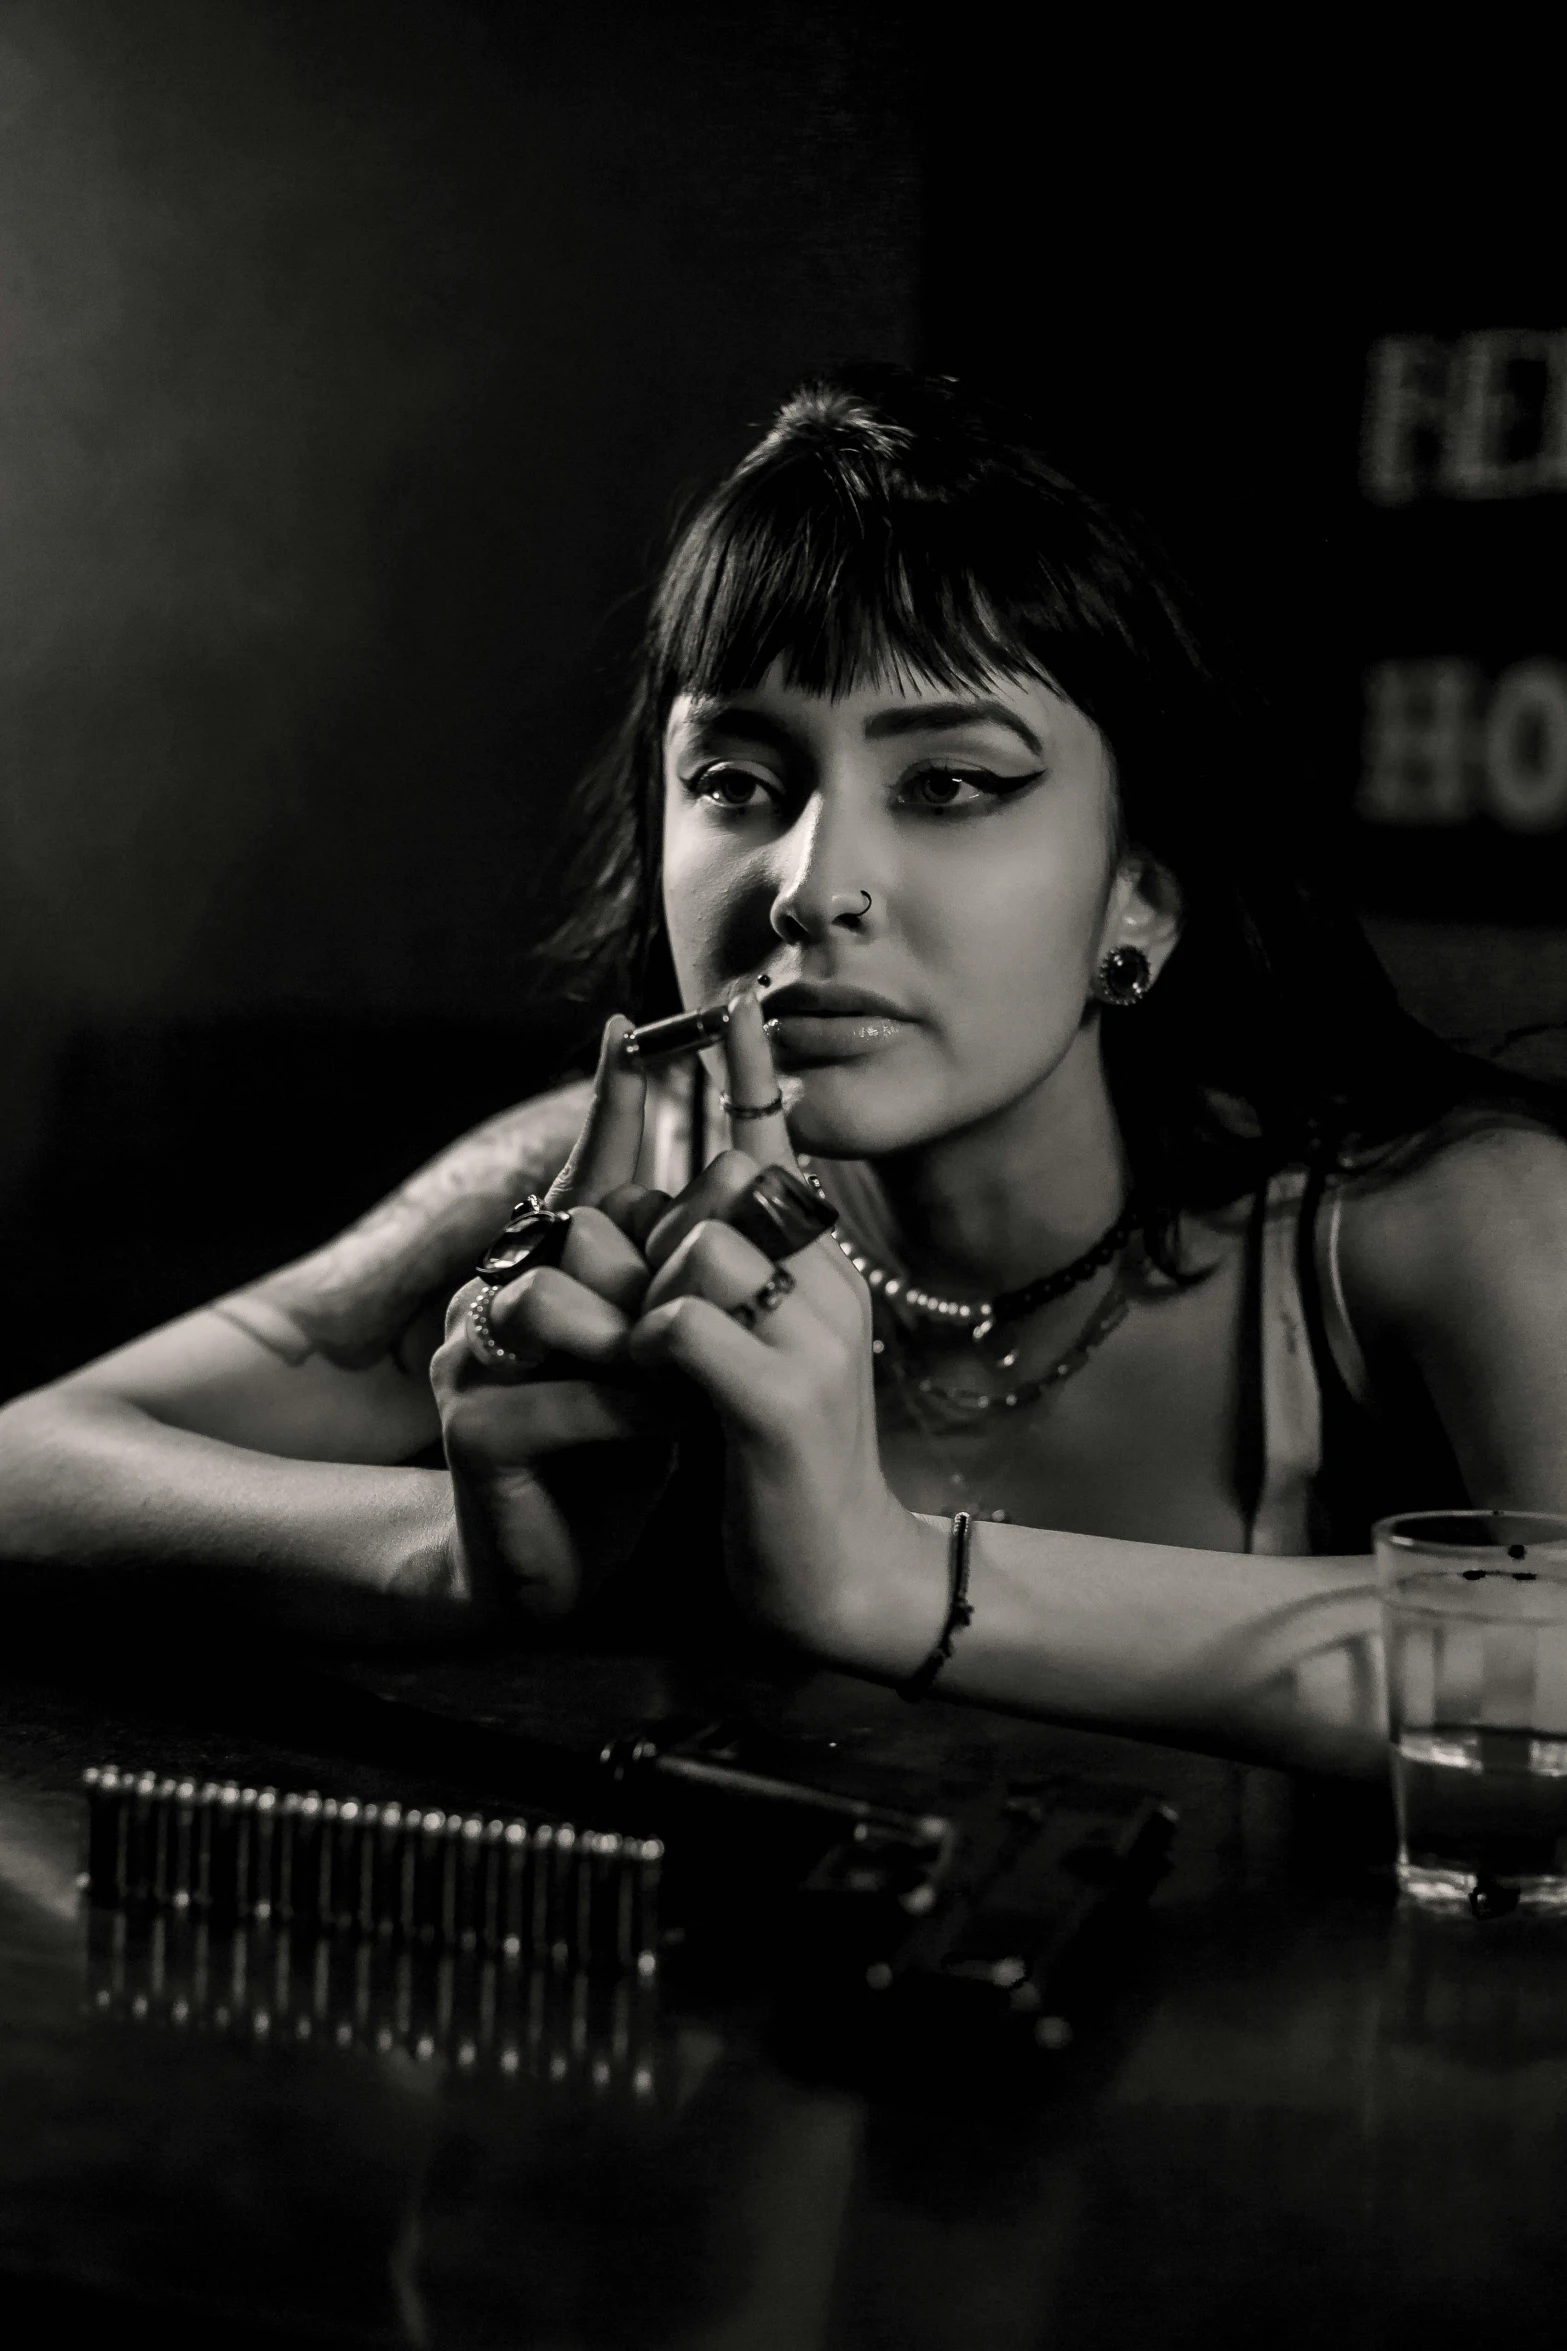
(959, 1613)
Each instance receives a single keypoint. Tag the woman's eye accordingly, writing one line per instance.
(956, 787)
(727, 787)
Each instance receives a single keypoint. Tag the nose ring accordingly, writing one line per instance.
(860, 912)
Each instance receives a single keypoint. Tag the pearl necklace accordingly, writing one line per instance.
(979, 1316)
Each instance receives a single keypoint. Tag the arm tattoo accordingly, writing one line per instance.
(356, 1300)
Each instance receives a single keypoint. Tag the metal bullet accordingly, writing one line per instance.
(514, 1920)
(327, 1862)
(245, 1852)
(108, 1827)
(492, 1932)
(263, 1854)
(181, 1833)
(649, 1856)
(429, 1855)
(340, 1865)
(387, 1844)
(141, 1838)
(365, 1917)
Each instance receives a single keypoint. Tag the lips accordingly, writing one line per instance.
(830, 999)
(814, 1021)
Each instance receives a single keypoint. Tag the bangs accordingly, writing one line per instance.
(828, 561)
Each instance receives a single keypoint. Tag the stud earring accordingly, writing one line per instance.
(1124, 978)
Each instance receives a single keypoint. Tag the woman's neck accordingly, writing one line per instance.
(1017, 1194)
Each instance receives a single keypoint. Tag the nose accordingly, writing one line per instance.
(824, 891)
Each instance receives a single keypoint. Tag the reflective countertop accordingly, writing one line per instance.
(1299, 2110)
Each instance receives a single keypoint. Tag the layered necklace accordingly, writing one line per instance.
(908, 1306)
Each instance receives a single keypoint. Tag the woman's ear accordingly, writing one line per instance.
(1145, 909)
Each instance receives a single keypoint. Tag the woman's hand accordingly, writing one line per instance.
(819, 1548)
(541, 1513)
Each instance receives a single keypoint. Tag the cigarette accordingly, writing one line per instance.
(687, 1032)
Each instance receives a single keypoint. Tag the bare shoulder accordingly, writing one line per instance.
(353, 1300)
(1482, 1206)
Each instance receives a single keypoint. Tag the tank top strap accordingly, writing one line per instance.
(1337, 1329)
(1281, 1395)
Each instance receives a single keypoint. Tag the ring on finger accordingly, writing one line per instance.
(779, 1213)
(752, 1109)
(532, 1235)
(482, 1339)
(767, 1299)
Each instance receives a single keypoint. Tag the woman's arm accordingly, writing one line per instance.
(256, 1442)
(1278, 1660)
(1455, 1275)
(1460, 1271)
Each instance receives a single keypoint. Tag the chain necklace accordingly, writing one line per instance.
(971, 1409)
(979, 1316)
(1107, 1316)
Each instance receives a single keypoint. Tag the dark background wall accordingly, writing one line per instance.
(1303, 306)
(353, 357)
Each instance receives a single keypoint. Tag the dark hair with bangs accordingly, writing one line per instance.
(889, 525)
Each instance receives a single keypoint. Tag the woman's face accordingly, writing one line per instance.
(981, 825)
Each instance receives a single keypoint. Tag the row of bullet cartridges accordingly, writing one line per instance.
(540, 1889)
(261, 1984)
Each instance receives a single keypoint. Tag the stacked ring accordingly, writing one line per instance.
(767, 1300)
(481, 1335)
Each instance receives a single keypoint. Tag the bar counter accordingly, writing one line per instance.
(1297, 2114)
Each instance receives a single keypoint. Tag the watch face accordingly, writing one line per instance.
(534, 1236)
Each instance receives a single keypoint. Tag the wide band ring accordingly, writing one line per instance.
(752, 1109)
(779, 1213)
(767, 1300)
(482, 1339)
(533, 1235)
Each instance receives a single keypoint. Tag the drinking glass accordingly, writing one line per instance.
(1474, 1606)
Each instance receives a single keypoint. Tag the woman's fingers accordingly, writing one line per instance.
(751, 1083)
(699, 1339)
(715, 1262)
(722, 1180)
(605, 1154)
(544, 1312)
(636, 1209)
(489, 1428)
(600, 1255)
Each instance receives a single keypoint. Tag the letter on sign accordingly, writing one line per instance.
(1418, 721)
(1526, 748)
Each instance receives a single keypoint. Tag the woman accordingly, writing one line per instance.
(1165, 1239)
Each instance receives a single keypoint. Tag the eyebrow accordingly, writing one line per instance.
(917, 718)
(920, 718)
(750, 726)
